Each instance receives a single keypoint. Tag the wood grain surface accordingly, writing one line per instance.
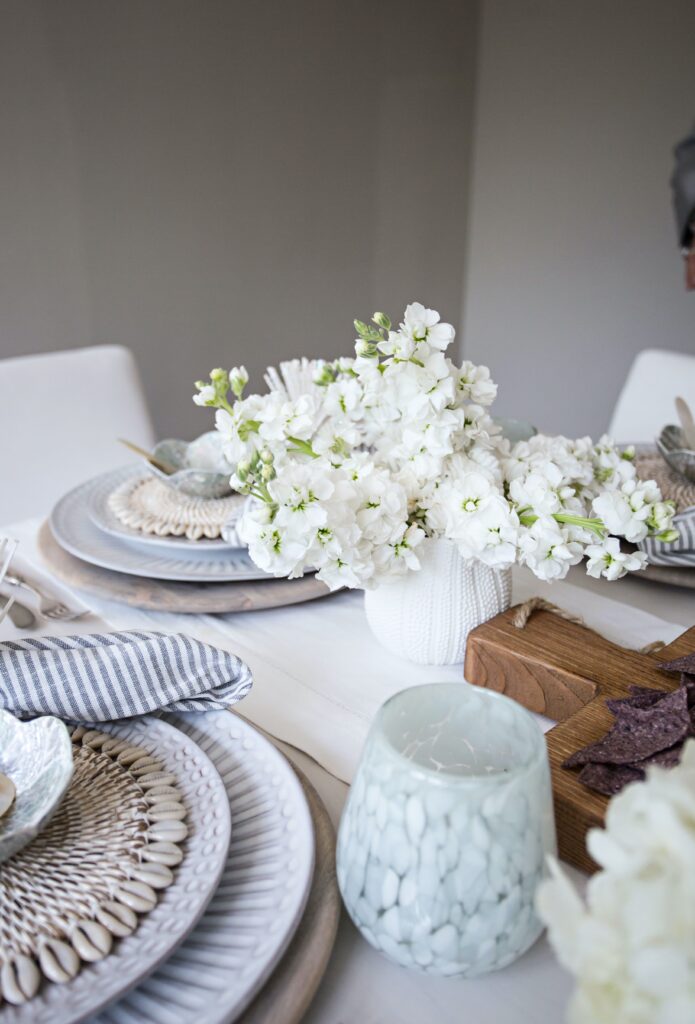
(285, 998)
(566, 671)
(170, 596)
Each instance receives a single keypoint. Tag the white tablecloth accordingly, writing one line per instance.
(319, 673)
(319, 677)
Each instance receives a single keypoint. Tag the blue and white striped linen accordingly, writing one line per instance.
(104, 676)
(682, 551)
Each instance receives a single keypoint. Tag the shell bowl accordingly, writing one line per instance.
(37, 757)
(198, 481)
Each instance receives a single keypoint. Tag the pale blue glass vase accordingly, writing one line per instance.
(446, 829)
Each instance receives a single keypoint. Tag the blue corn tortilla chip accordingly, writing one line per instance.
(685, 664)
(609, 779)
(638, 733)
(668, 758)
(640, 697)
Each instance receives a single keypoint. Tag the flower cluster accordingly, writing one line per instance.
(350, 465)
(631, 945)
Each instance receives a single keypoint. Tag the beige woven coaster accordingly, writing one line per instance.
(99, 863)
(147, 505)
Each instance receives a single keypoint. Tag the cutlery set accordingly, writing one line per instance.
(25, 601)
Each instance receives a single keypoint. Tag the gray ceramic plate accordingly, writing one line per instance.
(76, 532)
(215, 974)
(37, 757)
(104, 518)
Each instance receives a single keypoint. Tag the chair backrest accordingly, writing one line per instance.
(60, 417)
(646, 402)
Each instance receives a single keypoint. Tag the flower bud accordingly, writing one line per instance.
(365, 349)
(267, 473)
(243, 469)
(381, 320)
(266, 456)
(238, 379)
(218, 375)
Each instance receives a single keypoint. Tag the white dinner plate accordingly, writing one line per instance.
(76, 532)
(101, 514)
(213, 976)
(179, 907)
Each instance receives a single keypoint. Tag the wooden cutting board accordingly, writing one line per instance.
(566, 671)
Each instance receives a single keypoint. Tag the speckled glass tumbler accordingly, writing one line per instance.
(444, 835)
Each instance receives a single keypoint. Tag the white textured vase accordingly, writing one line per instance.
(426, 616)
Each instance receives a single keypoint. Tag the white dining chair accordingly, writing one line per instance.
(646, 401)
(61, 415)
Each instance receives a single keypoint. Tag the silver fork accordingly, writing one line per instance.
(49, 607)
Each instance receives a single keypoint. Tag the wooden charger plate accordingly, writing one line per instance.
(171, 596)
(675, 575)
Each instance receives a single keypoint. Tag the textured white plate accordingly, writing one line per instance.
(214, 975)
(37, 758)
(180, 906)
(101, 514)
(77, 533)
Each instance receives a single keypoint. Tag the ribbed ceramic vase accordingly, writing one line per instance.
(426, 616)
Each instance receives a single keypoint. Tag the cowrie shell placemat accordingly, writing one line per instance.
(118, 877)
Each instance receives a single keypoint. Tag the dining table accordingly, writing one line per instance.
(319, 678)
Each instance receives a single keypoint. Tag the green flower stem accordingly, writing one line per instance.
(596, 526)
(222, 403)
(302, 447)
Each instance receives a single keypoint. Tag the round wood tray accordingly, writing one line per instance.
(294, 981)
(168, 596)
(677, 576)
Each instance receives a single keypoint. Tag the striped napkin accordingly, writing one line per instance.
(682, 551)
(651, 465)
(104, 676)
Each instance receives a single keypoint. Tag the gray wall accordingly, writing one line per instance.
(217, 181)
(573, 266)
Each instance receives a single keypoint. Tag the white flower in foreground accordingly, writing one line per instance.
(546, 550)
(609, 561)
(631, 943)
(627, 511)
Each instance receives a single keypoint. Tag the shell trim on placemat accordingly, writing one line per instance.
(145, 504)
(97, 865)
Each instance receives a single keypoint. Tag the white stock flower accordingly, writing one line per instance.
(474, 383)
(631, 943)
(546, 550)
(351, 464)
(422, 324)
(608, 560)
(623, 513)
(206, 395)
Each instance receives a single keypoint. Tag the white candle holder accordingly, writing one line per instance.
(445, 832)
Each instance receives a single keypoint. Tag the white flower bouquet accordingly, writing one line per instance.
(349, 465)
(631, 944)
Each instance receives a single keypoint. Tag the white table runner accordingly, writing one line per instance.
(319, 673)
